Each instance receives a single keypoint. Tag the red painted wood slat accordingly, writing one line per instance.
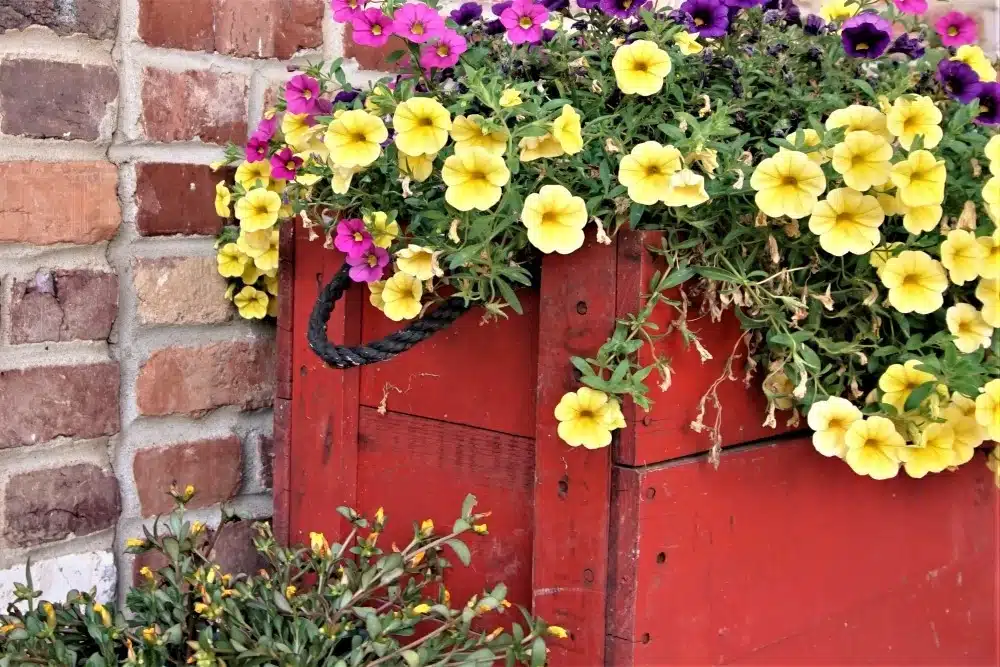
(282, 434)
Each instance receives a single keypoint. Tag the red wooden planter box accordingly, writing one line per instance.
(645, 552)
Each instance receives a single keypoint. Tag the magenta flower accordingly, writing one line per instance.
(444, 52)
(284, 164)
(266, 128)
(417, 23)
(302, 94)
(368, 266)
(256, 149)
(371, 28)
(352, 237)
(523, 20)
(911, 6)
(957, 29)
(345, 10)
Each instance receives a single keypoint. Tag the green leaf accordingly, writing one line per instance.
(508, 295)
(634, 214)
(918, 395)
(581, 365)
(538, 652)
(810, 358)
(411, 658)
(866, 88)
(676, 278)
(468, 504)
(713, 273)
(461, 551)
(281, 602)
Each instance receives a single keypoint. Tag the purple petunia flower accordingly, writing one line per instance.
(369, 265)
(494, 27)
(989, 104)
(587, 4)
(957, 29)
(345, 97)
(958, 80)
(681, 18)
(710, 17)
(500, 7)
(418, 23)
(523, 20)
(256, 149)
(866, 36)
(266, 128)
(371, 28)
(284, 164)
(743, 4)
(444, 52)
(911, 6)
(814, 25)
(345, 10)
(793, 14)
(301, 93)
(467, 13)
(352, 238)
(622, 9)
(548, 34)
(555, 5)
(908, 46)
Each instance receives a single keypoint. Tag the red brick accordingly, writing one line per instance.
(234, 550)
(246, 27)
(177, 24)
(180, 290)
(63, 305)
(195, 380)
(86, 210)
(370, 57)
(301, 27)
(213, 467)
(177, 199)
(40, 404)
(47, 505)
(97, 18)
(47, 99)
(195, 104)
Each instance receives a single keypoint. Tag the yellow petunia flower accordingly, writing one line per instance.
(992, 153)
(468, 132)
(873, 448)
(222, 199)
(231, 261)
(963, 256)
(859, 117)
(474, 179)
(557, 632)
(976, 58)
(991, 196)
(254, 174)
(258, 209)
(418, 168)
(251, 274)
(355, 139)
(555, 219)
(318, 544)
(863, 159)
(251, 303)
(988, 409)
(375, 294)
(787, 184)
(419, 262)
(686, 189)
(510, 98)
(934, 453)
(340, 179)
(916, 282)
(647, 169)
(254, 244)
(422, 125)
(807, 139)
(881, 255)
(967, 325)
(706, 158)
(847, 222)
(566, 129)
(586, 418)
(297, 130)
(899, 380)
(401, 296)
(838, 10)
(920, 179)
(920, 219)
(383, 232)
(960, 415)
(534, 148)
(271, 284)
(268, 260)
(990, 247)
(829, 421)
(687, 43)
(640, 67)
(912, 116)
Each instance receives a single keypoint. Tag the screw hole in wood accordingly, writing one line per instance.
(645, 638)
(650, 493)
(661, 557)
(581, 307)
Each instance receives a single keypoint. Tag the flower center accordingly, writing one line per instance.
(376, 30)
(790, 181)
(586, 414)
(861, 46)
(525, 22)
(952, 31)
(417, 28)
(550, 218)
(372, 261)
(442, 50)
(845, 219)
(626, 4)
(698, 21)
(910, 123)
(358, 237)
(835, 425)
(871, 442)
(308, 94)
(353, 4)
(260, 209)
(911, 280)
(477, 176)
(290, 165)
(653, 170)
(359, 137)
(640, 66)
(425, 122)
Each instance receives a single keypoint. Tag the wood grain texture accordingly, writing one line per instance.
(283, 419)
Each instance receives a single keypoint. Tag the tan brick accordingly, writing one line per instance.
(180, 290)
(85, 210)
(63, 305)
(213, 467)
(195, 104)
(195, 380)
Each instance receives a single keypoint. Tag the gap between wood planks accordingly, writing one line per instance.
(781, 439)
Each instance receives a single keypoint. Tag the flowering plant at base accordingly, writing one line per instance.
(833, 179)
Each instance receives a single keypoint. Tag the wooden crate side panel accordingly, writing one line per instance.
(576, 316)
(623, 565)
(782, 557)
(282, 432)
(419, 468)
(472, 373)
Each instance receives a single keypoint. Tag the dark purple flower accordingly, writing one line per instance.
(256, 149)
(555, 5)
(866, 36)
(773, 17)
(793, 14)
(494, 27)
(908, 46)
(681, 18)
(467, 13)
(958, 80)
(622, 9)
(345, 97)
(743, 4)
(548, 34)
(284, 164)
(352, 237)
(814, 25)
(499, 7)
(710, 17)
(301, 93)
(989, 104)
(267, 127)
(369, 265)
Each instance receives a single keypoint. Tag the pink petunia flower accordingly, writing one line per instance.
(302, 94)
(368, 266)
(957, 29)
(345, 10)
(444, 52)
(523, 20)
(256, 148)
(284, 164)
(911, 6)
(371, 28)
(352, 237)
(417, 23)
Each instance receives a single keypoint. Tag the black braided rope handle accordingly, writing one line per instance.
(342, 356)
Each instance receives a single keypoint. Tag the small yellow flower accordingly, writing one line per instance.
(426, 527)
(188, 492)
(858, 117)
(873, 448)
(401, 296)
(290, 591)
(340, 179)
(258, 209)
(197, 527)
(963, 256)
(788, 184)
(557, 632)
(912, 116)
(809, 138)
(863, 159)
(380, 515)
(988, 409)
(587, 417)
(829, 421)
(418, 168)
(706, 158)
(916, 282)
(149, 635)
(883, 254)
(383, 232)
(297, 130)
(474, 179)
(555, 219)
(990, 245)
(375, 294)
(970, 330)
(920, 219)
(640, 67)
(251, 303)
(355, 139)
(467, 132)
(992, 153)
(976, 58)
(510, 98)
(920, 179)
(687, 43)
(779, 388)
(421, 609)
(145, 572)
(838, 10)
(222, 199)
(50, 614)
(103, 613)
(254, 174)
(135, 543)
(934, 453)
(960, 415)
(422, 125)
(268, 260)
(480, 528)
(417, 559)
(567, 130)
(419, 262)
(647, 169)
(899, 381)
(686, 189)
(536, 148)
(200, 607)
(847, 222)
(988, 293)
(254, 244)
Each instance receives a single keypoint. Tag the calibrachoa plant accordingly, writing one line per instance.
(834, 179)
(323, 605)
